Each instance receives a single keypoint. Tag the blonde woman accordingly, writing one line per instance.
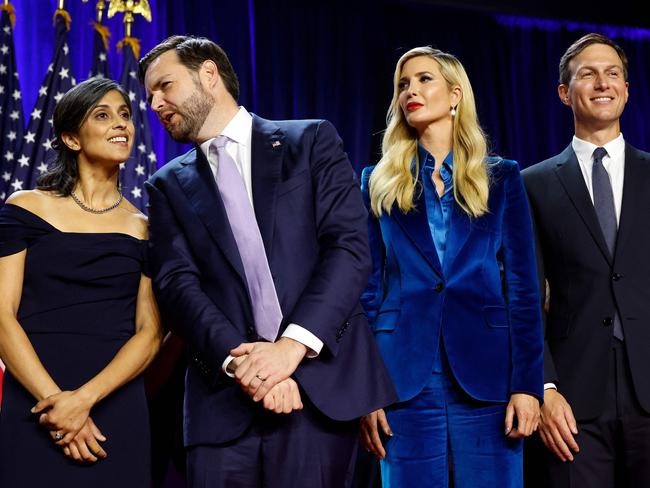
(453, 300)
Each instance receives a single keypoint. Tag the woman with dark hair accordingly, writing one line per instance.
(78, 320)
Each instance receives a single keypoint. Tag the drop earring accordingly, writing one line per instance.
(453, 111)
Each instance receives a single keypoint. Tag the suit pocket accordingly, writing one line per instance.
(294, 182)
(496, 316)
(386, 320)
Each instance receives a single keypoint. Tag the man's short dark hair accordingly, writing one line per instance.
(580, 45)
(192, 52)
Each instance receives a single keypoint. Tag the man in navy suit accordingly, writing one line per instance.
(591, 205)
(259, 255)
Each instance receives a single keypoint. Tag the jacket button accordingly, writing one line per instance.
(607, 321)
(616, 276)
(439, 287)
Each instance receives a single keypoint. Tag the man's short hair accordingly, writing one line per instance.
(580, 45)
(192, 52)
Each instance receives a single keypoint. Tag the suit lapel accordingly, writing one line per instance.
(197, 181)
(635, 189)
(569, 174)
(267, 149)
(416, 226)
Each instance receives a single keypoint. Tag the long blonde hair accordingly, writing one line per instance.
(394, 181)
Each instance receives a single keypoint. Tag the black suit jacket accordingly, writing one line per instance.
(312, 220)
(587, 285)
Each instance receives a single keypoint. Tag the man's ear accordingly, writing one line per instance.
(209, 73)
(71, 140)
(563, 93)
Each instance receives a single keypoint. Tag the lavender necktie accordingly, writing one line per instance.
(264, 299)
(606, 212)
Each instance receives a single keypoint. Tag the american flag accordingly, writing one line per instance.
(36, 151)
(100, 51)
(11, 107)
(142, 162)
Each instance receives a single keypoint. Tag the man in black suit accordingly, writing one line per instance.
(591, 208)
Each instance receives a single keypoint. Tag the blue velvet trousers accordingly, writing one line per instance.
(443, 433)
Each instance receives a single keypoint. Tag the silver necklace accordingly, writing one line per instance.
(85, 207)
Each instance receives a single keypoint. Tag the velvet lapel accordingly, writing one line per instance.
(197, 181)
(267, 149)
(568, 171)
(416, 226)
(635, 196)
(459, 230)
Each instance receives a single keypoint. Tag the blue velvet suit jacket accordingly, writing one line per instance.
(313, 223)
(483, 299)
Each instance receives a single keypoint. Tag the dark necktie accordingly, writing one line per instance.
(606, 212)
(604, 199)
(264, 299)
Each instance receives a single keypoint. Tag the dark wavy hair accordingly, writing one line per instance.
(70, 114)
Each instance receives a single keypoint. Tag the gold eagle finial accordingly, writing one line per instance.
(129, 7)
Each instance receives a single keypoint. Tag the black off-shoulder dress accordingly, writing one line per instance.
(78, 309)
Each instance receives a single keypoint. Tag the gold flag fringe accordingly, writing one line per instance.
(66, 17)
(134, 42)
(103, 31)
(11, 11)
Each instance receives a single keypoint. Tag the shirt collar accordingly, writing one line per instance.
(425, 157)
(584, 150)
(238, 130)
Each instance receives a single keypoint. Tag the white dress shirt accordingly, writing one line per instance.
(239, 132)
(614, 163)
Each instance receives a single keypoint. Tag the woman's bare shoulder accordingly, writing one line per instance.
(137, 221)
(36, 201)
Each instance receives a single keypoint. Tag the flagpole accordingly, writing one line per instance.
(101, 6)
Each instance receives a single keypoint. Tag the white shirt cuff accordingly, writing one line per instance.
(224, 366)
(293, 331)
(548, 386)
(300, 334)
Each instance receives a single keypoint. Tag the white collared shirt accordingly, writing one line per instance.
(239, 132)
(613, 162)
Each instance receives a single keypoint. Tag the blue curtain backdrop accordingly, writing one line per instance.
(335, 59)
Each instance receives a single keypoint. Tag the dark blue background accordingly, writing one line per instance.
(334, 60)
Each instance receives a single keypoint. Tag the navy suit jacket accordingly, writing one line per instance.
(587, 285)
(312, 221)
(484, 299)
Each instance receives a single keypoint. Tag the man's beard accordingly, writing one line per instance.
(192, 114)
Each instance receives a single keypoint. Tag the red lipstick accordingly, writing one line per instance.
(412, 106)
